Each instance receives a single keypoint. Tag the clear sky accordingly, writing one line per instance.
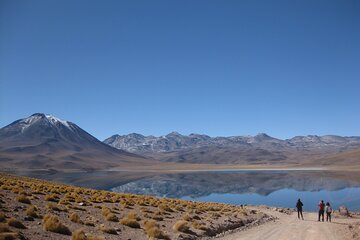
(221, 68)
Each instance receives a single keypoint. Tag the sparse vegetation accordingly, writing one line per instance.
(106, 229)
(78, 235)
(181, 226)
(2, 217)
(130, 222)
(52, 223)
(74, 217)
(15, 223)
(32, 211)
(99, 211)
(23, 199)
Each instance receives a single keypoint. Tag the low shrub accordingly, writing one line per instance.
(4, 228)
(15, 223)
(112, 217)
(9, 236)
(74, 217)
(109, 230)
(52, 223)
(181, 226)
(130, 222)
(31, 211)
(23, 199)
(52, 198)
(78, 235)
(2, 217)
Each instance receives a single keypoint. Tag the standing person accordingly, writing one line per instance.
(299, 206)
(328, 211)
(321, 210)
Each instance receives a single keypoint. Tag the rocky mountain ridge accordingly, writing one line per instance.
(174, 141)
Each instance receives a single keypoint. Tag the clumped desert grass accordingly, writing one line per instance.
(181, 226)
(106, 212)
(133, 215)
(166, 208)
(130, 222)
(112, 217)
(32, 211)
(74, 217)
(13, 222)
(23, 199)
(52, 223)
(78, 234)
(56, 207)
(9, 236)
(2, 217)
(153, 231)
(109, 230)
(198, 225)
(4, 228)
(186, 217)
(52, 198)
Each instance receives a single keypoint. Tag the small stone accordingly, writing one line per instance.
(28, 218)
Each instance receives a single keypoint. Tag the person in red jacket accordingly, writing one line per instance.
(321, 210)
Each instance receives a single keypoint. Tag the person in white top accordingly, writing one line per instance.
(328, 211)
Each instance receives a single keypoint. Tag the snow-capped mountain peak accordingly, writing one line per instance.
(26, 122)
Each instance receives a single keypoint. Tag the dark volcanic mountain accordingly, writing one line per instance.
(44, 141)
(196, 148)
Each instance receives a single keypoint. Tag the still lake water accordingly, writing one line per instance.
(272, 188)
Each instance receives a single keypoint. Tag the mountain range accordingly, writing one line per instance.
(262, 148)
(42, 141)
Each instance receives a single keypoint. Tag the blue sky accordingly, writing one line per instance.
(214, 67)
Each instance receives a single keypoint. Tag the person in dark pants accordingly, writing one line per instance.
(328, 211)
(321, 210)
(299, 206)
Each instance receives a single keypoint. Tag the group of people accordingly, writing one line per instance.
(323, 208)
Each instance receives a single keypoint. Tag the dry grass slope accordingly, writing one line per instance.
(90, 214)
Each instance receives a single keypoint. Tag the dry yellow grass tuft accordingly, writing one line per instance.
(2, 217)
(9, 236)
(52, 198)
(78, 234)
(4, 228)
(109, 230)
(32, 211)
(106, 212)
(130, 222)
(56, 207)
(15, 223)
(112, 217)
(181, 226)
(52, 223)
(74, 217)
(23, 199)
(198, 225)
(153, 231)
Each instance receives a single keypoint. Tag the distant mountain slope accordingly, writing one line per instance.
(348, 158)
(196, 148)
(44, 141)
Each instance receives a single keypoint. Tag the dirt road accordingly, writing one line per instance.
(289, 227)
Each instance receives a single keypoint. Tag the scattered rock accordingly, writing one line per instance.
(28, 218)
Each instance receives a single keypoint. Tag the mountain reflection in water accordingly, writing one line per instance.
(251, 187)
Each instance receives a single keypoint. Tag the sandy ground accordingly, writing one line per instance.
(289, 227)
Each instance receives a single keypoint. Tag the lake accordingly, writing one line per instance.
(273, 188)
